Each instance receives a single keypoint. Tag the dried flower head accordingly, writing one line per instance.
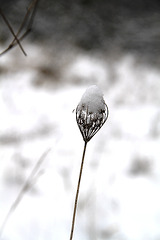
(91, 112)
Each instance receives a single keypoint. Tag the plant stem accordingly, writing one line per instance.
(77, 192)
(27, 185)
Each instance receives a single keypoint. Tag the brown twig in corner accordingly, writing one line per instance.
(33, 5)
(11, 30)
(29, 16)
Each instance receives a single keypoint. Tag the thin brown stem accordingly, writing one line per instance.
(77, 192)
(33, 5)
(27, 21)
(10, 28)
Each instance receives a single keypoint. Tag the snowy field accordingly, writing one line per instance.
(120, 188)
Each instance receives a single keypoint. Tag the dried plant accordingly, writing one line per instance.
(91, 114)
(21, 33)
(35, 173)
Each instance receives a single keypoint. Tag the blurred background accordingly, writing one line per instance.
(72, 45)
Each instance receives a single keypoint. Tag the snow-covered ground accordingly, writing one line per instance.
(120, 188)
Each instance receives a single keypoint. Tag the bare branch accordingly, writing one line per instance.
(29, 16)
(11, 30)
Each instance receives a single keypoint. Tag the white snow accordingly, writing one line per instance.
(113, 203)
(86, 68)
(93, 100)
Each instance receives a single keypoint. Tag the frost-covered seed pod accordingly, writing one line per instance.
(91, 112)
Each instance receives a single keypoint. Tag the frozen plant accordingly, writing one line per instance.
(91, 114)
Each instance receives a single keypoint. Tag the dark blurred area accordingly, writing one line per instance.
(91, 25)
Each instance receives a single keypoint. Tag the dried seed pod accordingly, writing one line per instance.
(91, 112)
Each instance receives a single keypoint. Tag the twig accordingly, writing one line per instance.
(11, 29)
(33, 5)
(24, 189)
(77, 192)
